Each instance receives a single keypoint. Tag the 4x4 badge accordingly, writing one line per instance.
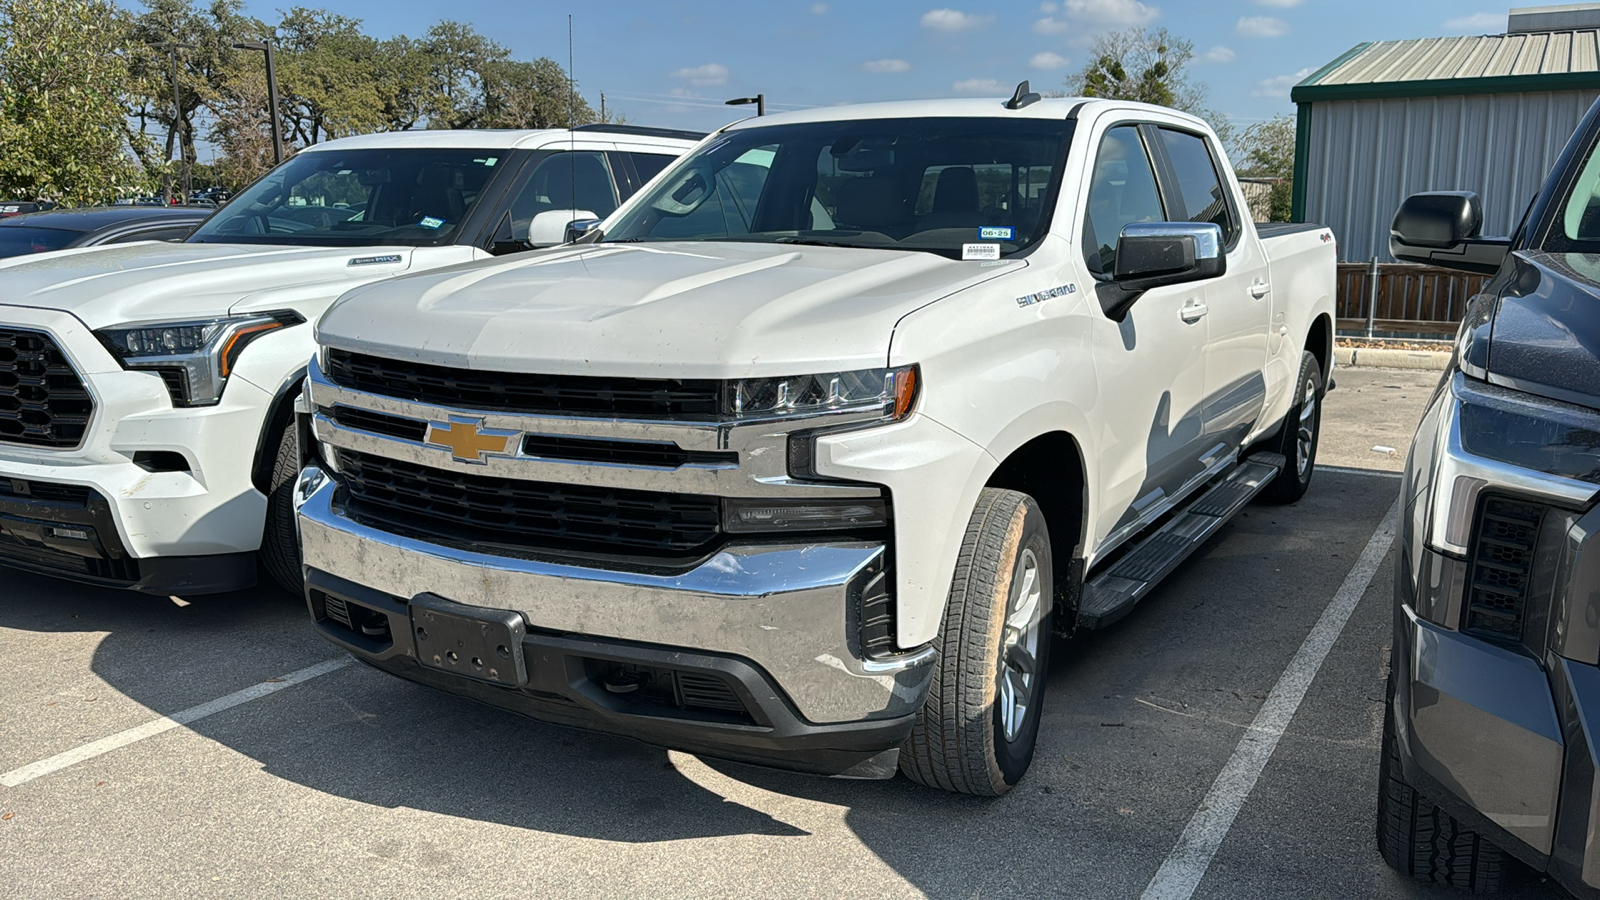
(468, 441)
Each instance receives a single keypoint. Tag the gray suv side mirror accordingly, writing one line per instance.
(1156, 254)
(1444, 228)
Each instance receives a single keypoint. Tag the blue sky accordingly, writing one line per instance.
(663, 62)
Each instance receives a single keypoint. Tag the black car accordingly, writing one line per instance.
(1491, 744)
(59, 229)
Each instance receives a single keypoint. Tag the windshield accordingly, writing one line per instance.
(930, 184)
(19, 240)
(356, 198)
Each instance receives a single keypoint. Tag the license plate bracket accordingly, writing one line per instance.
(472, 641)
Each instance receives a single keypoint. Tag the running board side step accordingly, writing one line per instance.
(1110, 595)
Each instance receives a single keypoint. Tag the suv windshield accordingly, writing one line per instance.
(357, 198)
(929, 184)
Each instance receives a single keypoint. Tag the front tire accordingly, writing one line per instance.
(1419, 839)
(1302, 430)
(280, 541)
(976, 731)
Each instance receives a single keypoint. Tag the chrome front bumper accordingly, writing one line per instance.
(785, 608)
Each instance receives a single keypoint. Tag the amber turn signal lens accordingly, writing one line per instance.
(905, 391)
(238, 340)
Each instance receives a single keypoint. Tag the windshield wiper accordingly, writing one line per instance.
(814, 242)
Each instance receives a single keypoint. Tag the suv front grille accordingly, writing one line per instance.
(43, 402)
(476, 509)
(555, 395)
(1502, 568)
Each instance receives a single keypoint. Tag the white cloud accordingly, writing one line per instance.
(1482, 22)
(1280, 85)
(1120, 13)
(818, 9)
(886, 66)
(1051, 25)
(979, 86)
(708, 75)
(1281, 4)
(952, 20)
(1219, 54)
(1261, 27)
(1048, 60)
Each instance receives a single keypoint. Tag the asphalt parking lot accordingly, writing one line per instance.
(343, 782)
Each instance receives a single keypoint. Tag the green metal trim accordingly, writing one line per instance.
(1343, 58)
(1497, 84)
(1302, 149)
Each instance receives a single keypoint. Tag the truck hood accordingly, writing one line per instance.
(119, 284)
(1544, 337)
(679, 310)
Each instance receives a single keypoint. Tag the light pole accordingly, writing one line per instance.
(760, 100)
(172, 48)
(272, 95)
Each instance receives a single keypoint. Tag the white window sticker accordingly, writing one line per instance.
(996, 233)
(430, 222)
(980, 251)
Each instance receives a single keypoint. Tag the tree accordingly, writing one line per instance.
(1266, 150)
(534, 94)
(62, 126)
(1148, 67)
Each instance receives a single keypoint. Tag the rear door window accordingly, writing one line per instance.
(1205, 199)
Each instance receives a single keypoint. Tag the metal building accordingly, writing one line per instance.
(1485, 113)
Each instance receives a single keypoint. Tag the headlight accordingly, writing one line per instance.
(891, 391)
(1505, 441)
(194, 358)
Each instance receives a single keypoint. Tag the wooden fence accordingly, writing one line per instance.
(1409, 299)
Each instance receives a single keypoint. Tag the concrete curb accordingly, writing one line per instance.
(1379, 358)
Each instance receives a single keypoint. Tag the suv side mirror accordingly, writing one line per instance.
(1156, 254)
(578, 229)
(1444, 228)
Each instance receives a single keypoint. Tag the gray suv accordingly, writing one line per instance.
(1489, 749)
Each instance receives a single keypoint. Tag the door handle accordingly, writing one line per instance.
(1260, 289)
(1193, 312)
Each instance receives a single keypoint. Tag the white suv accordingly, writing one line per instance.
(146, 390)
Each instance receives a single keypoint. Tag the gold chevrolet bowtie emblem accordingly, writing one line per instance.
(469, 441)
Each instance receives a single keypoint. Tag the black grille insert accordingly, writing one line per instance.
(630, 453)
(1502, 567)
(461, 508)
(43, 402)
(378, 423)
(569, 395)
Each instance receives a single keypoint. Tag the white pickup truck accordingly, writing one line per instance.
(800, 457)
(146, 389)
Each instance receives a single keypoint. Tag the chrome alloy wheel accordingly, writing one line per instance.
(1019, 645)
(1306, 431)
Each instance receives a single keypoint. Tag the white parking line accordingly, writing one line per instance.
(1187, 863)
(166, 723)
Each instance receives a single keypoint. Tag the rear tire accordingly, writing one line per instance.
(1302, 429)
(280, 540)
(1419, 839)
(976, 731)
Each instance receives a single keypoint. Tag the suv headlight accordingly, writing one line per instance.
(1506, 441)
(891, 391)
(195, 357)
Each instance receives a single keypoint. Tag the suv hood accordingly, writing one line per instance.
(116, 285)
(1545, 334)
(675, 310)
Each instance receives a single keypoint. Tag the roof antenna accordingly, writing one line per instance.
(1022, 97)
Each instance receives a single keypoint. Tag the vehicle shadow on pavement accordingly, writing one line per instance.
(363, 735)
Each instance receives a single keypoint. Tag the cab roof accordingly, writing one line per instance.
(495, 139)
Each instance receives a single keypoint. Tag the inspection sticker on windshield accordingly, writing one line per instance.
(980, 251)
(996, 233)
(430, 222)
